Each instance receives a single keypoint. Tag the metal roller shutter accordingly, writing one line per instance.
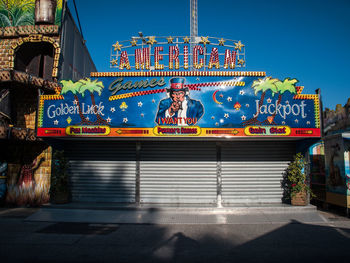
(252, 171)
(178, 172)
(102, 171)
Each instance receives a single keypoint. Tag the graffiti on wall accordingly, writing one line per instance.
(28, 183)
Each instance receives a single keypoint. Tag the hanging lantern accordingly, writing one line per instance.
(45, 11)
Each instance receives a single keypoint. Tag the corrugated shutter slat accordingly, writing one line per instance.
(252, 171)
(178, 172)
(102, 171)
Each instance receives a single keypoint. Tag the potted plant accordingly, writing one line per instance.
(296, 181)
(59, 179)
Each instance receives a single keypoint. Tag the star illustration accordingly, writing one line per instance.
(296, 121)
(151, 40)
(170, 39)
(239, 45)
(241, 92)
(268, 100)
(142, 115)
(108, 120)
(117, 46)
(114, 62)
(75, 102)
(221, 42)
(87, 118)
(55, 122)
(226, 115)
(216, 124)
(133, 43)
(204, 40)
(243, 118)
(240, 62)
(247, 105)
(287, 101)
(229, 99)
(140, 104)
(125, 120)
(186, 40)
(153, 101)
(197, 78)
(112, 109)
(221, 95)
(283, 122)
(308, 122)
(212, 117)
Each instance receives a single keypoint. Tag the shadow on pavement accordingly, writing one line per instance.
(292, 242)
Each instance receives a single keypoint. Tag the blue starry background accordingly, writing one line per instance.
(141, 111)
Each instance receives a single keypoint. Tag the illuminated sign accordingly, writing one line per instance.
(267, 131)
(176, 131)
(179, 104)
(177, 53)
(87, 130)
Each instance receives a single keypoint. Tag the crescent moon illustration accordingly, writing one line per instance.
(214, 98)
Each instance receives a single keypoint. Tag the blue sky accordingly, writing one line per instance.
(304, 39)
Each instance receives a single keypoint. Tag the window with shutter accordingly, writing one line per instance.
(35, 59)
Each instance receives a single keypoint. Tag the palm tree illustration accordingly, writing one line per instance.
(92, 86)
(261, 85)
(16, 12)
(282, 87)
(70, 86)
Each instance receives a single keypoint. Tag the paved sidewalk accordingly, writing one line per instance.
(180, 215)
(149, 234)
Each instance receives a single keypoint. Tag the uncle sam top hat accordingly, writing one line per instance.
(177, 84)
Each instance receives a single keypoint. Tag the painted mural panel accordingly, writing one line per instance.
(347, 164)
(336, 180)
(195, 104)
(21, 12)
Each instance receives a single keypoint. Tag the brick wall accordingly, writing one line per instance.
(5, 46)
(10, 35)
(25, 100)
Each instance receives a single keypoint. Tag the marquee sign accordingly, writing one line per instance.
(179, 104)
(177, 53)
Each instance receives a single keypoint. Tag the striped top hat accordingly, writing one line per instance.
(177, 84)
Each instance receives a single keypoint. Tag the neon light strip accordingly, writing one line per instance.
(180, 73)
(314, 97)
(190, 86)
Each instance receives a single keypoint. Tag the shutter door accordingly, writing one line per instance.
(178, 172)
(102, 171)
(252, 171)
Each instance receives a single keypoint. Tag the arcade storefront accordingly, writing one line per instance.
(183, 137)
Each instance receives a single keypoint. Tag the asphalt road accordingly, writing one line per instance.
(25, 241)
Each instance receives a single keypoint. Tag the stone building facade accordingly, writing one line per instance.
(32, 60)
(23, 80)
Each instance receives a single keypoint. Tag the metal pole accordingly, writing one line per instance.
(193, 27)
(194, 19)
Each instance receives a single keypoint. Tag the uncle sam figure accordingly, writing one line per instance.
(179, 106)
